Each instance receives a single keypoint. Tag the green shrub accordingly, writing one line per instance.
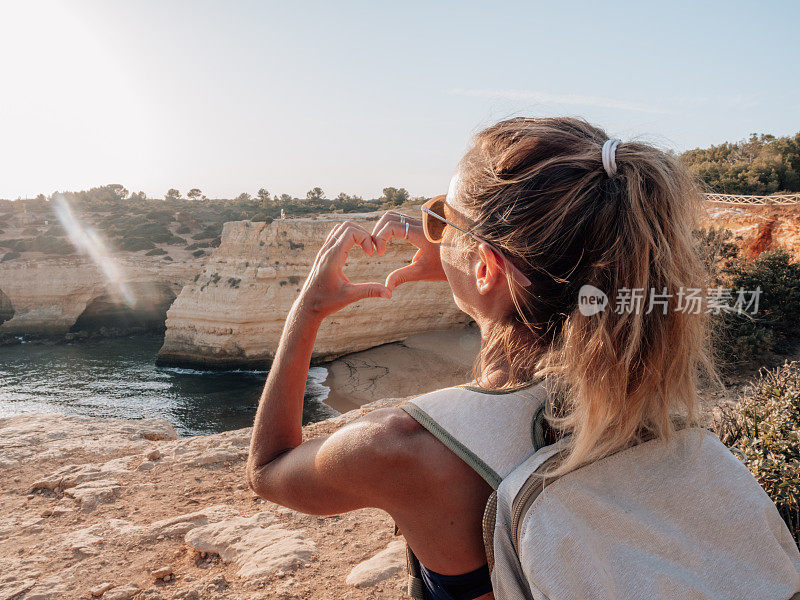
(211, 231)
(161, 216)
(196, 245)
(716, 248)
(134, 244)
(11, 244)
(261, 217)
(776, 325)
(9, 256)
(765, 426)
(183, 229)
(198, 253)
(778, 275)
(155, 232)
(44, 244)
(155, 252)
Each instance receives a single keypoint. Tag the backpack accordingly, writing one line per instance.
(683, 519)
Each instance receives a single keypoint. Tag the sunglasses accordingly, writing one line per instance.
(434, 233)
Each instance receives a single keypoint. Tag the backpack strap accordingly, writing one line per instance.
(457, 447)
(490, 431)
(416, 587)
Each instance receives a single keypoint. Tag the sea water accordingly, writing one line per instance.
(118, 378)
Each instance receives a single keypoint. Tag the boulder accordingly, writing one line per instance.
(258, 545)
(380, 567)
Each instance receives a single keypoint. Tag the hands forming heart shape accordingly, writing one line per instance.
(327, 289)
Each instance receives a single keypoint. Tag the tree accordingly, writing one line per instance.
(138, 197)
(172, 194)
(394, 196)
(118, 191)
(286, 199)
(315, 194)
(194, 194)
(243, 197)
(763, 164)
(264, 198)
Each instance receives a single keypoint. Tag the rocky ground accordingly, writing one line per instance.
(122, 509)
(118, 509)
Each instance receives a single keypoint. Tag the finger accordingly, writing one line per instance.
(331, 235)
(351, 235)
(363, 237)
(358, 291)
(394, 229)
(402, 275)
(326, 245)
(389, 215)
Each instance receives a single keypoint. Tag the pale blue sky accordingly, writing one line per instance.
(231, 96)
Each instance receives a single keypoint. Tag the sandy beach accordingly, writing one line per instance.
(419, 364)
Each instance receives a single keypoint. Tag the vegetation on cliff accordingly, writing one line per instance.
(761, 165)
(134, 223)
(765, 428)
(774, 329)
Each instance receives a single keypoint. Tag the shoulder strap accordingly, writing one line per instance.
(416, 587)
(492, 432)
(449, 440)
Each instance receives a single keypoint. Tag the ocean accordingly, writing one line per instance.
(118, 378)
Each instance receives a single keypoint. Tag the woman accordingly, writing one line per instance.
(538, 209)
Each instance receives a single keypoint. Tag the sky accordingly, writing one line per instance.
(231, 96)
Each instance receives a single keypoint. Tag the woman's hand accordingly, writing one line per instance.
(327, 289)
(425, 266)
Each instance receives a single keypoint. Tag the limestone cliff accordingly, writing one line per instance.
(233, 313)
(53, 295)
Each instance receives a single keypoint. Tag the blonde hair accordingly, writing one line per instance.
(537, 189)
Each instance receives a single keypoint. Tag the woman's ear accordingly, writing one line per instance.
(488, 269)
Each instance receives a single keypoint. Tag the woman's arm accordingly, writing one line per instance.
(352, 467)
(279, 418)
(279, 466)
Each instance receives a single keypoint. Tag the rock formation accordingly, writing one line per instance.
(233, 313)
(49, 296)
(760, 227)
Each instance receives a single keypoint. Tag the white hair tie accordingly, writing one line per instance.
(609, 156)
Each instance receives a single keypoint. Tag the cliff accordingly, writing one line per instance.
(760, 227)
(233, 313)
(51, 296)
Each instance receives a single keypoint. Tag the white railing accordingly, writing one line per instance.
(781, 200)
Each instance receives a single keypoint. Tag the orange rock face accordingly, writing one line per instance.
(760, 227)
